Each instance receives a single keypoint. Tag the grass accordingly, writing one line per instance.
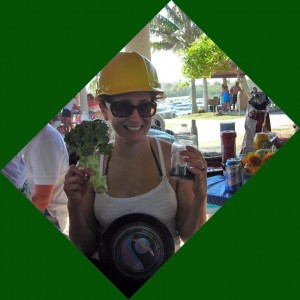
(285, 132)
(214, 145)
(211, 116)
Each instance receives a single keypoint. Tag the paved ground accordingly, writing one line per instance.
(209, 130)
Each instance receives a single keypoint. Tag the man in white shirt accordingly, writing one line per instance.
(16, 173)
(47, 162)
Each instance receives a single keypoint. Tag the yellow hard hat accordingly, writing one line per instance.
(128, 72)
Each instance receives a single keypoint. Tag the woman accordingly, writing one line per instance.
(138, 169)
(222, 99)
(94, 110)
(226, 97)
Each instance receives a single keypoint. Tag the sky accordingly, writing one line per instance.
(167, 65)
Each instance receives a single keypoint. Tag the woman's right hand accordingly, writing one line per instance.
(77, 184)
(83, 230)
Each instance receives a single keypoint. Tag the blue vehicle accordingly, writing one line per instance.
(166, 134)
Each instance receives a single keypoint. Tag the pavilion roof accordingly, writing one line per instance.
(233, 72)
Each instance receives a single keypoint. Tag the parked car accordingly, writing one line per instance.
(167, 112)
(183, 110)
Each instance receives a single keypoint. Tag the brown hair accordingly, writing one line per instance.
(107, 98)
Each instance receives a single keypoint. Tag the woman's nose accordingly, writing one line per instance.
(135, 115)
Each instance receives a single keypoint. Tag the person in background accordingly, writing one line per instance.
(47, 162)
(66, 114)
(225, 98)
(221, 97)
(90, 100)
(94, 110)
(234, 90)
(138, 170)
(16, 173)
(254, 91)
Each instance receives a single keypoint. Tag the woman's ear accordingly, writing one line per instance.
(103, 110)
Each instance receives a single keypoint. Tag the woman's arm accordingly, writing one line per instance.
(83, 229)
(192, 196)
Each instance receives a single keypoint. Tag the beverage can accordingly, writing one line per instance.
(234, 174)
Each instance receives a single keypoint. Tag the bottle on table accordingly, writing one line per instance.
(194, 130)
(179, 168)
(228, 147)
(184, 129)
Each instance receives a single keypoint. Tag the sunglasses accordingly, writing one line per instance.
(123, 109)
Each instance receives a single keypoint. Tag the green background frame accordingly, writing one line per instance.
(50, 50)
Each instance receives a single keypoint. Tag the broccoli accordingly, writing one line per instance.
(90, 138)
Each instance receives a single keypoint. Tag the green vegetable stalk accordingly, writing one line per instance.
(90, 138)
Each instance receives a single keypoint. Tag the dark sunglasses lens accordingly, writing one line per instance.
(122, 109)
(147, 109)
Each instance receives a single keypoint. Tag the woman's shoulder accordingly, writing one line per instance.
(165, 145)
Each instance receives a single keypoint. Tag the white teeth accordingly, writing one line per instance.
(133, 128)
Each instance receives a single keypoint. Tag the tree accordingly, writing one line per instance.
(202, 59)
(176, 32)
(92, 85)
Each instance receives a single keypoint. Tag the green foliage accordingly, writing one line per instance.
(176, 31)
(92, 85)
(164, 28)
(182, 89)
(203, 58)
(183, 84)
(90, 138)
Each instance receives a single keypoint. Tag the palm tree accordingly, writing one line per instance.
(176, 32)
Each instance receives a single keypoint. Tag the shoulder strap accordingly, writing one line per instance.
(101, 164)
(161, 157)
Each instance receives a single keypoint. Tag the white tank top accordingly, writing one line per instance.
(161, 203)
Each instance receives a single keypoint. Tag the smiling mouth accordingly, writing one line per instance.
(133, 128)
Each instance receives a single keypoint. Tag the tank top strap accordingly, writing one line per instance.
(161, 158)
(101, 171)
(160, 154)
